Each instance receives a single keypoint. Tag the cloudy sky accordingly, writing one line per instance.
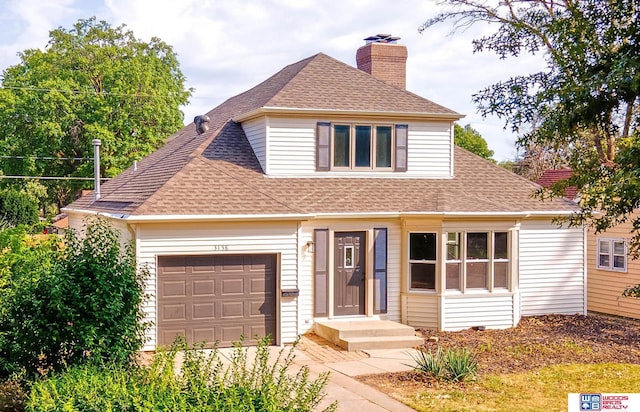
(227, 47)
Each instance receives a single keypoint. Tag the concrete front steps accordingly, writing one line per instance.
(356, 335)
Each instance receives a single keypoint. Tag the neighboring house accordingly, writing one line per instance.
(610, 269)
(326, 192)
(551, 176)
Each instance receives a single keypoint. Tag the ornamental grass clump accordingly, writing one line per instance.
(454, 365)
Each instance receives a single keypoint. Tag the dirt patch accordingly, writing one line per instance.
(536, 342)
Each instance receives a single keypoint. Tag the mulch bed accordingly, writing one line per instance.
(536, 342)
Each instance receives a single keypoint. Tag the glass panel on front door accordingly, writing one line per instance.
(348, 257)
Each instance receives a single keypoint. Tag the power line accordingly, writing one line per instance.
(89, 92)
(52, 177)
(46, 158)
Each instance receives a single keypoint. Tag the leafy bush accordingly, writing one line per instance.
(24, 260)
(85, 304)
(448, 364)
(18, 208)
(12, 397)
(202, 383)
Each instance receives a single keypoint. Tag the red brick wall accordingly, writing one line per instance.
(386, 61)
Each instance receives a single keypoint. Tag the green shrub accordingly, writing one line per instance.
(202, 383)
(85, 304)
(448, 364)
(24, 260)
(18, 208)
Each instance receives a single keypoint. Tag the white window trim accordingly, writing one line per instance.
(611, 242)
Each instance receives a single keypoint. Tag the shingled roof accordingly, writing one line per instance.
(216, 173)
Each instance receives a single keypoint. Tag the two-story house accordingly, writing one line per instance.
(329, 192)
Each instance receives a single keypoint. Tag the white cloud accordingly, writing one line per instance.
(226, 47)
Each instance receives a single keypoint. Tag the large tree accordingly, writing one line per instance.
(469, 138)
(585, 100)
(92, 81)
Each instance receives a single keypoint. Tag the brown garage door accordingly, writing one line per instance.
(216, 298)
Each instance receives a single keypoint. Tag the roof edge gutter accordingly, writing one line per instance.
(524, 214)
(310, 216)
(296, 110)
(225, 218)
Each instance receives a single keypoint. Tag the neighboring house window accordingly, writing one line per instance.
(422, 261)
(612, 254)
(361, 147)
(477, 260)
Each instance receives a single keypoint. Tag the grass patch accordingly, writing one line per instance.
(544, 389)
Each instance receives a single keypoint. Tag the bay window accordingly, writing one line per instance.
(477, 260)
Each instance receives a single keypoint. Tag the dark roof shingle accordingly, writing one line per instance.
(217, 173)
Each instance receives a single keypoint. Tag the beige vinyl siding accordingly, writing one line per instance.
(429, 149)
(77, 222)
(291, 149)
(232, 238)
(393, 263)
(421, 311)
(552, 270)
(256, 132)
(494, 311)
(605, 287)
(292, 146)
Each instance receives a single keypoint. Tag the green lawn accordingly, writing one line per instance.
(544, 389)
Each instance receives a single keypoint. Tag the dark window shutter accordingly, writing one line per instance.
(321, 272)
(401, 147)
(380, 270)
(323, 146)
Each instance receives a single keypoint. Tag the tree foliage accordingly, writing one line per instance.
(61, 306)
(469, 138)
(92, 81)
(584, 102)
(17, 208)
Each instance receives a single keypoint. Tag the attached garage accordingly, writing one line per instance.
(216, 298)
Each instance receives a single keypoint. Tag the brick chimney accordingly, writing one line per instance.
(383, 58)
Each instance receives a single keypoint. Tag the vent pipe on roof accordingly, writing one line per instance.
(96, 169)
(202, 123)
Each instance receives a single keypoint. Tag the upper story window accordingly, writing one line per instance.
(611, 254)
(361, 147)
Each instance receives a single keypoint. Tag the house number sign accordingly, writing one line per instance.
(220, 248)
